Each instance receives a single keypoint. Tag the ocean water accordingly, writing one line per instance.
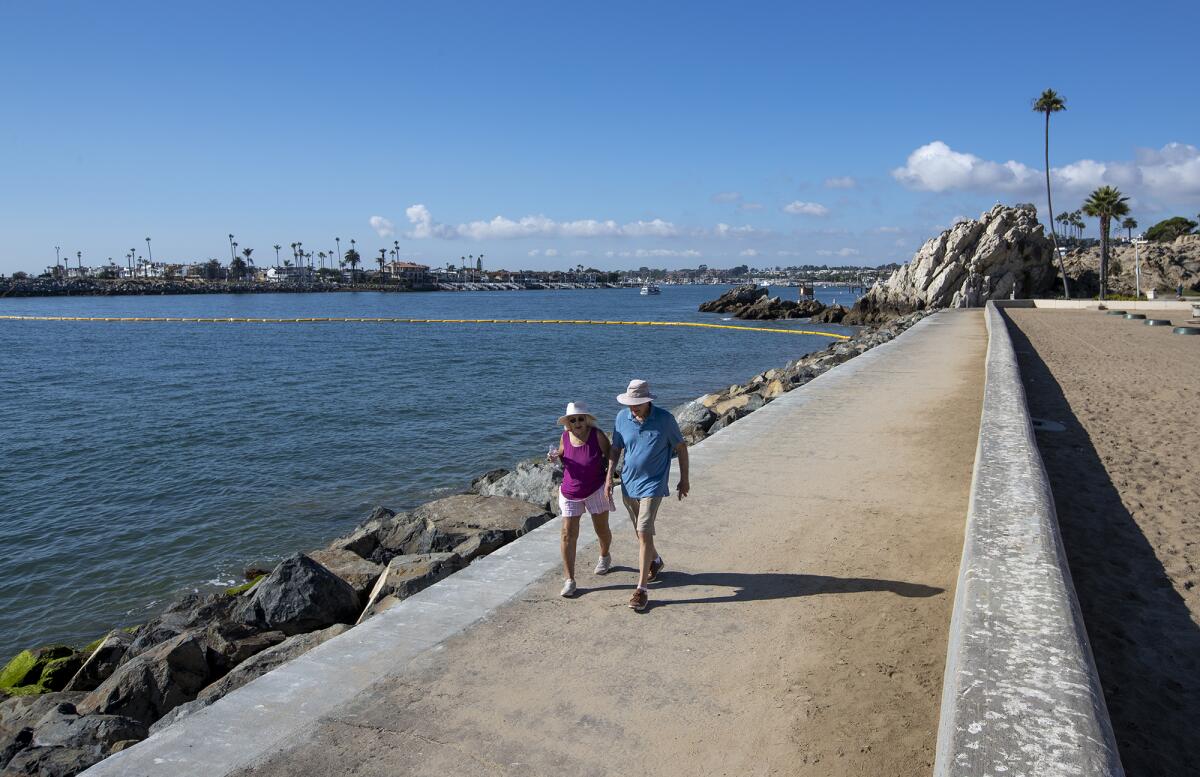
(141, 461)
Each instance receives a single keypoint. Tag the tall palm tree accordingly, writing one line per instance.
(382, 258)
(1050, 102)
(1106, 203)
(232, 251)
(149, 255)
(1129, 225)
(277, 247)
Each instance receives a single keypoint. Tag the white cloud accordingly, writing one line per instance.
(888, 230)
(842, 252)
(581, 253)
(841, 182)
(382, 226)
(746, 206)
(726, 197)
(936, 167)
(1172, 172)
(501, 227)
(787, 253)
(551, 252)
(798, 208)
(424, 225)
(748, 252)
(725, 231)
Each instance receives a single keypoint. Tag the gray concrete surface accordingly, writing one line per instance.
(1021, 694)
(800, 627)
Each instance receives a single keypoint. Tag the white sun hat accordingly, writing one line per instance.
(576, 408)
(638, 393)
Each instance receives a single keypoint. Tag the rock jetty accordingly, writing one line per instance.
(1004, 251)
(751, 303)
(63, 710)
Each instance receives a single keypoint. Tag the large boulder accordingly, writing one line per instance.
(251, 669)
(364, 540)
(359, 572)
(474, 525)
(189, 613)
(299, 596)
(534, 480)
(694, 420)
(406, 575)
(64, 727)
(152, 684)
(1003, 252)
(52, 761)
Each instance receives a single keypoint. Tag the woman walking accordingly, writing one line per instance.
(583, 451)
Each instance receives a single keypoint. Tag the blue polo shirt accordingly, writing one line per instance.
(648, 448)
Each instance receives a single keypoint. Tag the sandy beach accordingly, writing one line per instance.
(1127, 494)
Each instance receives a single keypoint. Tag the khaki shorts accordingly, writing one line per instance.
(642, 512)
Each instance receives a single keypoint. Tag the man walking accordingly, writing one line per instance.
(650, 437)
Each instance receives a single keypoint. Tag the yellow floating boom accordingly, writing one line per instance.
(578, 322)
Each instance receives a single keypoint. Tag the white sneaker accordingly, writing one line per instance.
(604, 565)
(568, 589)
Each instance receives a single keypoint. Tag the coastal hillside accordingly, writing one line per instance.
(1163, 267)
(974, 261)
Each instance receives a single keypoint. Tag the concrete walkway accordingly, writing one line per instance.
(800, 627)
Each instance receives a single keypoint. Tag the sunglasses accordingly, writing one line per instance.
(577, 420)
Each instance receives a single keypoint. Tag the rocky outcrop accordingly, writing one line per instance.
(751, 303)
(1003, 251)
(1163, 267)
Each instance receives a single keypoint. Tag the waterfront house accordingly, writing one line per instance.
(414, 275)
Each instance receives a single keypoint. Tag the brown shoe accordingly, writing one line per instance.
(656, 566)
(639, 600)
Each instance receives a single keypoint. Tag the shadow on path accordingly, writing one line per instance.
(753, 587)
(1146, 645)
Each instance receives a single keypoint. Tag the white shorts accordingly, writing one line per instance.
(598, 502)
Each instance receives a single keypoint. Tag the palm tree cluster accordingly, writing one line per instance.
(1072, 223)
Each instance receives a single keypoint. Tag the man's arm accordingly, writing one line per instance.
(684, 486)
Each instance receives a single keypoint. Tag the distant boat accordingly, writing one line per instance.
(650, 288)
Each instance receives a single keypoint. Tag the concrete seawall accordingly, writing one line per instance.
(1021, 695)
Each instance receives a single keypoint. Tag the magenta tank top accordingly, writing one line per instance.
(583, 467)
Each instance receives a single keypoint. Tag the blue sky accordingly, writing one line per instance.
(548, 134)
